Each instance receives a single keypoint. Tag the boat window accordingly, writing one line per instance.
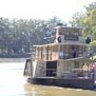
(47, 55)
(36, 52)
(42, 53)
(55, 49)
(61, 53)
(76, 64)
(73, 51)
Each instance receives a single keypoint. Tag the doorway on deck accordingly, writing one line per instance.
(51, 68)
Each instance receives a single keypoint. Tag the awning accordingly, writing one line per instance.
(80, 59)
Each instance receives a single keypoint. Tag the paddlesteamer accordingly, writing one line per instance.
(65, 62)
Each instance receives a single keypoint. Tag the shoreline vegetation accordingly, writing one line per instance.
(26, 55)
(15, 57)
(12, 60)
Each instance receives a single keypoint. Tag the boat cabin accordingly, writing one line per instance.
(68, 44)
(66, 57)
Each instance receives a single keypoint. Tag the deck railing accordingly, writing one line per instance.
(78, 73)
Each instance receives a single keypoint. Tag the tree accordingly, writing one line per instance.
(76, 20)
(93, 46)
(86, 21)
(18, 35)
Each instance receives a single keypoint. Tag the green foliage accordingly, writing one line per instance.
(18, 35)
(76, 20)
(87, 22)
(93, 46)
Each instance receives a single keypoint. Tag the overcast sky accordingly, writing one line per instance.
(42, 9)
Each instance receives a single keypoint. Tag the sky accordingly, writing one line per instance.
(42, 9)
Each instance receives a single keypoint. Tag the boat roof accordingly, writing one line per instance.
(80, 59)
(68, 27)
(66, 43)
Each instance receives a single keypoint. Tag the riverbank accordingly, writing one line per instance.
(12, 60)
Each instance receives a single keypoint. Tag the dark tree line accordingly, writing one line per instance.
(18, 35)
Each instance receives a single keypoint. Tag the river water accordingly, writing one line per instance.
(13, 83)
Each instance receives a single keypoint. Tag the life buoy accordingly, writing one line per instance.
(88, 40)
(59, 39)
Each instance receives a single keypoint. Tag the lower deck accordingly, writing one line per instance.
(70, 72)
(69, 68)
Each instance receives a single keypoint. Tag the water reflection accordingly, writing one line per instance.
(38, 90)
(35, 90)
(12, 83)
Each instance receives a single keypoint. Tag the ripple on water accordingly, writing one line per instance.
(12, 83)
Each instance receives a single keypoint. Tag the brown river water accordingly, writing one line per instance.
(13, 83)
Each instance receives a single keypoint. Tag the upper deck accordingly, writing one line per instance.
(68, 44)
